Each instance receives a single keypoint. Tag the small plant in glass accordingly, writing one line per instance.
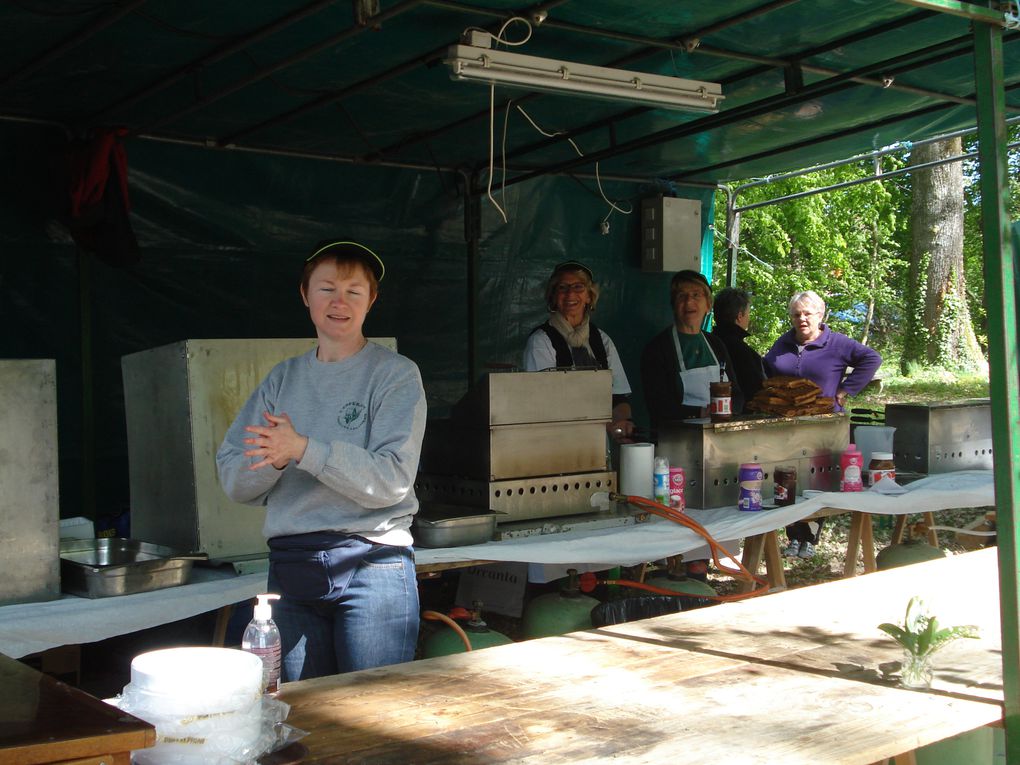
(921, 636)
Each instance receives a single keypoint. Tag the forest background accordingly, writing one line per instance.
(898, 261)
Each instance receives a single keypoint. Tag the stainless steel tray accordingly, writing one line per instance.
(441, 525)
(102, 568)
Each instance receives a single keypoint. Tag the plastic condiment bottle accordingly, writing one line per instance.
(660, 480)
(262, 638)
(851, 465)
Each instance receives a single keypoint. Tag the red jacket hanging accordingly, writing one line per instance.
(99, 205)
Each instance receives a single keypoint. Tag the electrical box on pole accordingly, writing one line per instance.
(670, 234)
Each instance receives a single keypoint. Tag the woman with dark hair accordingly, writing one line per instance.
(570, 339)
(329, 443)
(732, 314)
(678, 364)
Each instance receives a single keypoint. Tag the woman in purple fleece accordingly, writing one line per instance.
(812, 350)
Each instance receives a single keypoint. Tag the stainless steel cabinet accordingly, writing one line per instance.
(29, 486)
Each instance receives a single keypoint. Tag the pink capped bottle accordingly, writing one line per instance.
(851, 467)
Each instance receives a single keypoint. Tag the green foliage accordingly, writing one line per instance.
(973, 255)
(843, 244)
(921, 634)
(852, 246)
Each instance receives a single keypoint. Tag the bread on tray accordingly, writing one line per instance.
(789, 396)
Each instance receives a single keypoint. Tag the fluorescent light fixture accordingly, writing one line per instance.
(469, 62)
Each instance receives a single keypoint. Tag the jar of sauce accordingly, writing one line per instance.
(785, 477)
(720, 407)
(881, 466)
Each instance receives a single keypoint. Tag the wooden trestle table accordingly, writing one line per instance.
(792, 677)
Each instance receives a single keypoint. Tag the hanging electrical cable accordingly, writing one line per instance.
(497, 39)
(677, 516)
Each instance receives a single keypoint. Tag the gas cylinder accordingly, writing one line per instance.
(682, 584)
(446, 641)
(557, 613)
(676, 579)
(905, 553)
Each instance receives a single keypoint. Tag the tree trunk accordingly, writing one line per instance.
(870, 316)
(939, 329)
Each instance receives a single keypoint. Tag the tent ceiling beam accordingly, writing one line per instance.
(869, 179)
(866, 128)
(754, 13)
(69, 43)
(652, 44)
(241, 105)
(684, 45)
(871, 155)
(280, 151)
(772, 151)
(266, 71)
(753, 109)
(333, 96)
(193, 67)
(715, 122)
(965, 10)
(361, 85)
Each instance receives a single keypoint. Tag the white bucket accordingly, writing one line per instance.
(206, 704)
(873, 438)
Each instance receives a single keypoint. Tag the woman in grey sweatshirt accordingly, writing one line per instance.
(329, 443)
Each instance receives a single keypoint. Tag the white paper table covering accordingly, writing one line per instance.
(32, 627)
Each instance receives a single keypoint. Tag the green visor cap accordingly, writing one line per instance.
(573, 265)
(688, 275)
(353, 250)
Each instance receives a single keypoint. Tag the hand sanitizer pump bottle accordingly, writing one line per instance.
(262, 638)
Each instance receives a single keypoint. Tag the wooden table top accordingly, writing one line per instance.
(43, 720)
(833, 628)
(652, 692)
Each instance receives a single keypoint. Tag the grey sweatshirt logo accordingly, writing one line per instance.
(352, 415)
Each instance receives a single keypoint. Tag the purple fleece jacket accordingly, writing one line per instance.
(824, 361)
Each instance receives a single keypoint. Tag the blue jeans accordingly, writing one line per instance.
(375, 623)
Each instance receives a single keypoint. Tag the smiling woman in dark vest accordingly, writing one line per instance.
(569, 339)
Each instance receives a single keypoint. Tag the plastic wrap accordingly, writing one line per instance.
(243, 728)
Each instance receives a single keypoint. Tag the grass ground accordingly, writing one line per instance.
(929, 385)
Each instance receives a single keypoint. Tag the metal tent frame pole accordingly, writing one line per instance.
(472, 238)
(878, 176)
(1004, 387)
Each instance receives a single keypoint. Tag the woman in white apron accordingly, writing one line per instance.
(677, 367)
(678, 364)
